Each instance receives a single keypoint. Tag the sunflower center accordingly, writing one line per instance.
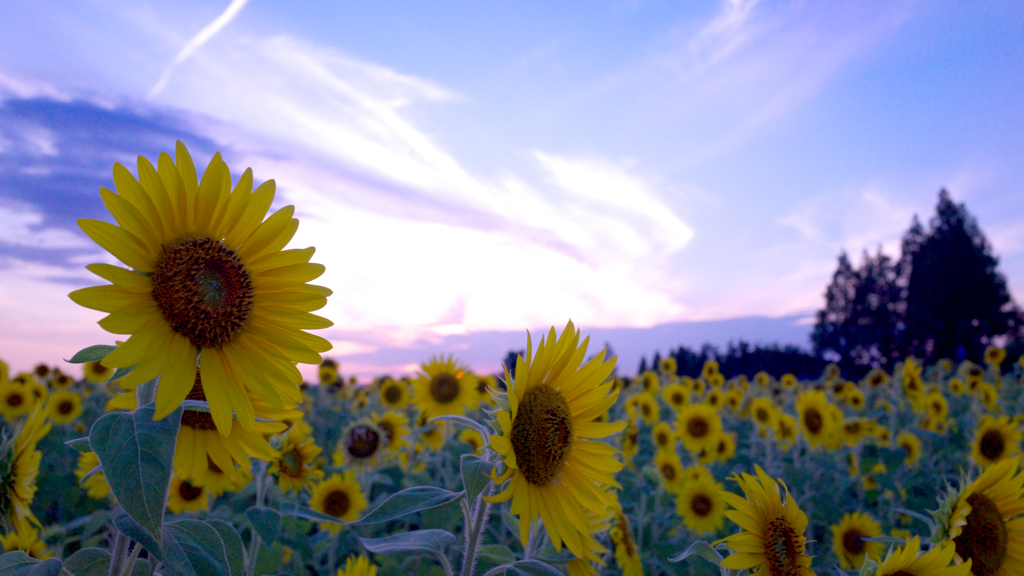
(984, 539)
(15, 400)
(337, 503)
(193, 419)
(65, 407)
(762, 415)
(701, 505)
(392, 395)
(853, 542)
(291, 463)
(363, 442)
(780, 548)
(813, 420)
(188, 492)
(645, 409)
(542, 434)
(668, 472)
(444, 388)
(99, 369)
(203, 290)
(697, 427)
(992, 445)
(677, 398)
(661, 439)
(903, 573)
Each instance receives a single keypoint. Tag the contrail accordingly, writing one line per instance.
(198, 40)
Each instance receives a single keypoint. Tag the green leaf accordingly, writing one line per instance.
(412, 541)
(496, 553)
(89, 562)
(483, 429)
(140, 568)
(531, 568)
(475, 477)
(266, 521)
(268, 560)
(121, 373)
(409, 501)
(80, 444)
(293, 509)
(194, 548)
(702, 549)
(16, 563)
(48, 567)
(137, 455)
(232, 545)
(133, 530)
(92, 354)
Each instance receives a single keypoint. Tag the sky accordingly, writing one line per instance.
(468, 171)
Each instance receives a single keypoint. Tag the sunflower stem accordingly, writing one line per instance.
(254, 539)
(130, 564)
(118, 553)
(474, 526)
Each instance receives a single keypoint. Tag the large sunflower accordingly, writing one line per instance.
(985, 521)
(906, 562)
(995, 440)
(339, 496)
(701, 505)
(555, 469)
(207, 278)
(772, 540)
(848, 540)
(445, 387)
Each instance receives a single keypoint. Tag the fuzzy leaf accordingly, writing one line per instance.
(266, 521)
(702, 549)
(412, 541)
(92, 354)
(88, 562)
(475, 477)
(410, 501)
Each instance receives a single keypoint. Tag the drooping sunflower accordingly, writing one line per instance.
(20, 466)
(444, 386)
(186, 496)
(361, 445)
(554, 468)
(96, 485)
(339, 496)
(785, 429)
(296, 467)
(395, 427)
(15, 400)
(670, 468)
(25, 537)
(630, 444)
(205, 273)
(96, 372)
(985, 521)
(649, 382)
(725, 447)
(995, 440)
(394, 394)
(698, 426)
(357, 566)
(905, 561)
(911, 444)
(701, 505)
(848, 540)
(772, 541)
(816, 418)
(64, 406)
(627, 555)
(484, 385)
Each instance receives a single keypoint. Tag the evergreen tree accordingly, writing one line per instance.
(956, 300)
(831, 329)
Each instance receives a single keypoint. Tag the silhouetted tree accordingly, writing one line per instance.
(956, 299)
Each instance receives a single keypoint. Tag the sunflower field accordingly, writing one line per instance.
(191, 446)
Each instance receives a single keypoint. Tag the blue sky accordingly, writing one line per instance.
(490, 167)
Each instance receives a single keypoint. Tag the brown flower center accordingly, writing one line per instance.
(661, 439)
(992, 445)
(813, 420)
(542, 434)
(362, 442)
(853, 542)
(444, 388)
(188, 492)
(983, 539)
(15, 399)
(697, 427)
(762, 415)
(677, 398)
(668, 472)
(392, 394)
(291, 463)
(98, 369)
(193, 419)
(780, 548)
(701, 505)
(65, 407)
(203, 290)
(337, 503)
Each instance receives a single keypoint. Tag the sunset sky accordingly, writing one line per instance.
(470, 170)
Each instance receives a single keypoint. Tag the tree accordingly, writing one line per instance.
(956, 300)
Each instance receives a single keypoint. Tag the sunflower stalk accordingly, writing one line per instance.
(254, 540)
(119, 553)
(475, 523)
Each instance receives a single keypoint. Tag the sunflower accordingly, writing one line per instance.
(205, 272)
(772, 539)
(701, 505)
(989, 395)
(984, 521)
(648, 408)
(670, 467)
(358, 566)
(715, 398)
(96, 372)
(96, 485)
(445, 386)
(668, 366)
(432, 434)
(649, 382)
(936, 405)
(763, 412)
(854, 397)
(484, 385)
(630, 444)
(25, 537)
(555, 468)
(906, 562)
(816, 420)
(848, 540)
(395, 427)
(15, 400)
(626, 553)
(361, 444)
(853, 430)
(664, 438)
(328, 372)
(339, 496)
(995, 440)
(994, 355)
(186, 496)
(956, 386)
(785, 428)
(296, 467)
(217, 481)
(394, 393)
(698, 426)
(60, 381)
(65, 407)
(788, 381)
(20, 466)
(725, 447)
(911, 444)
